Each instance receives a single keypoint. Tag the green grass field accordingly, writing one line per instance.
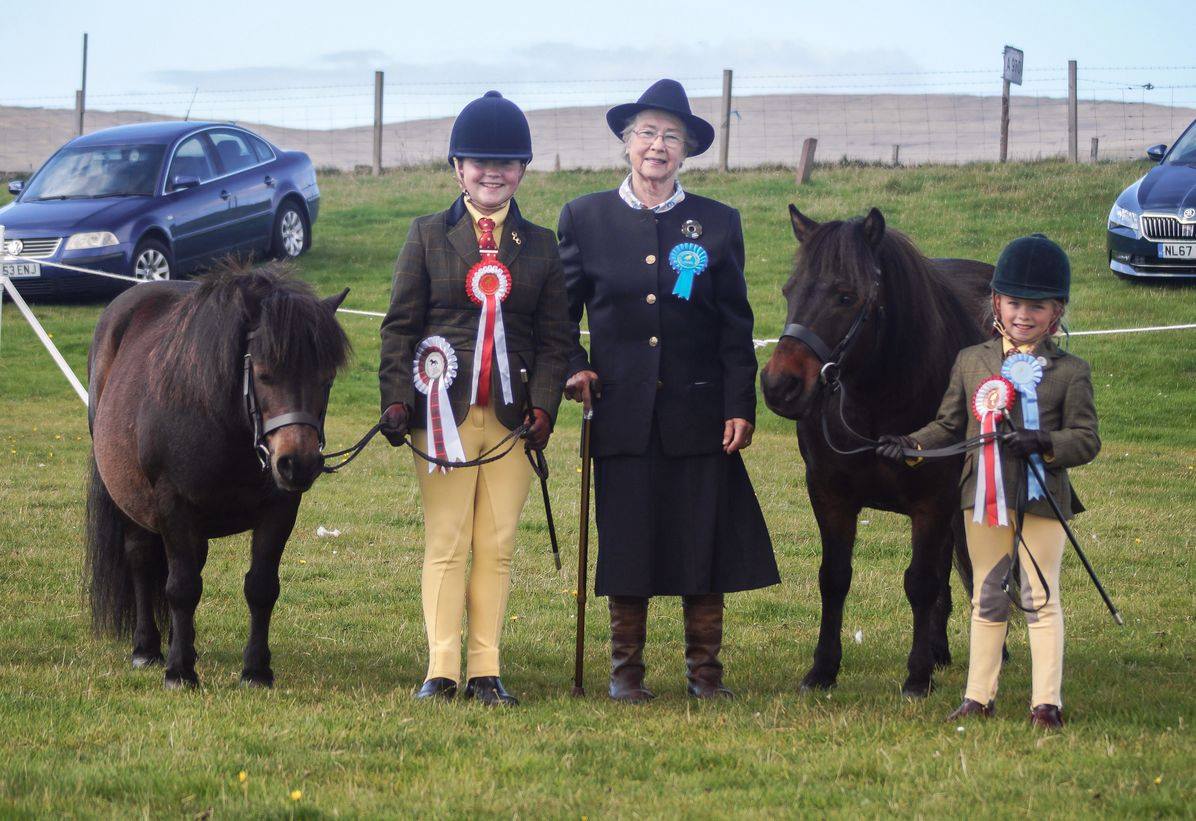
(83, 734)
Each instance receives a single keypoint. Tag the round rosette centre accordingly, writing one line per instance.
(488, 279)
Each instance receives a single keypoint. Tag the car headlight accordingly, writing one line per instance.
(92, 239)
(1125, 218)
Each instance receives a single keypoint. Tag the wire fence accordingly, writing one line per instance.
(914, 118)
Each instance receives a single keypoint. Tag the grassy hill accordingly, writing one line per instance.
(86, 735)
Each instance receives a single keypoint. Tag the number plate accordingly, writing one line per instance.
(1177, 250)
(20, 270)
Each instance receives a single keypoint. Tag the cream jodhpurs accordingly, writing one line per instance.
(991, 550)
(469, 510)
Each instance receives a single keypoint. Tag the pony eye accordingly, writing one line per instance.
(846, 299)
(265, 378)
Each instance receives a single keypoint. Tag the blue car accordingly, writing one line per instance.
(1152, 227)
(155, 201)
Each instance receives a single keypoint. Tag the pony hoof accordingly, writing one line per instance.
(141, 660)
(814, 682)
(916, 691)
(256, 680)
(185, 682)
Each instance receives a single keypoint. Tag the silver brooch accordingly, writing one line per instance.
(515, 236)
(691, 229)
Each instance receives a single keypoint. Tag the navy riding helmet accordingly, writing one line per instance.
(1033, 267)
(491, 128)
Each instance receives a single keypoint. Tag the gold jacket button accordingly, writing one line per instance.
(650, 299)
(650, 259)
(653, 341)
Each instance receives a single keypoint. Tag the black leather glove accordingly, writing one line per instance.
(541, 429)
(891, 446)
(393, 424)
(1025, 442)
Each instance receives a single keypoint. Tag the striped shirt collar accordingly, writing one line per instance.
(633, 201)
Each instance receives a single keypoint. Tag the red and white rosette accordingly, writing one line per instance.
(434, 371)
(992, 399)
(488, 283)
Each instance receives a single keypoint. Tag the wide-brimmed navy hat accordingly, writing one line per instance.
(491, 128)
(667, 96)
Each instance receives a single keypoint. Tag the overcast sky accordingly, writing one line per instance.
(165, 52)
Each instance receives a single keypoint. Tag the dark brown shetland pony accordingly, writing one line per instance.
(177, 457)
(910, 317)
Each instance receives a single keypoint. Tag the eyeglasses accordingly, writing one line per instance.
(671, 141)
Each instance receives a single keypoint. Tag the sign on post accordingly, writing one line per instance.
(1013, 65)
(1012, 73)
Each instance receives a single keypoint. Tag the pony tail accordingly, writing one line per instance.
(108, 578)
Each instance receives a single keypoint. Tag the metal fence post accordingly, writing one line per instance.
(377, 123)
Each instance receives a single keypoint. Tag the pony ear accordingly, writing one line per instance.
(874, 227)
(334, 302)
(803, 226)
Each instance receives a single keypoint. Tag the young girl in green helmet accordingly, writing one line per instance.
(1037, 402)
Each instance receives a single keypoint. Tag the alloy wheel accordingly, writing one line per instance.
(291, 231)
(151, 264)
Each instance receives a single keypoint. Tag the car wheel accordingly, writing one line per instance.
(151, 261)
(290, 232)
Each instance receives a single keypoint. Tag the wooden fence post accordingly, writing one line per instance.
(1073, 137)
(1004, 120)
(377, 170)
(807, 160)
(1095, 147)
(896, 155)
(724, 149)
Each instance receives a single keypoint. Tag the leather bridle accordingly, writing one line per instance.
(264, 427)
(829, 373)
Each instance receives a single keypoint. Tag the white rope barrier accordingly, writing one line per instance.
(45, 339)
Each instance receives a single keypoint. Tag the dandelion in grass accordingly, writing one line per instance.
(296, 795)
(242, 776)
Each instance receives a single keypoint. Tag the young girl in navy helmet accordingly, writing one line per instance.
(1038, 399)
(478, 295)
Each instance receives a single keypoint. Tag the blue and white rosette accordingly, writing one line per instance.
(1025, 372)
(688, 259)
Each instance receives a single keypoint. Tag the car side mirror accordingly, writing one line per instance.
(1156, 152)
(184, 181)
(16, 186)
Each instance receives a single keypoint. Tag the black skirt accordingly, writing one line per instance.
(679, 525)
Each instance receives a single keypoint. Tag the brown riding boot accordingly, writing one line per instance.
(628, 632)
(703, 640)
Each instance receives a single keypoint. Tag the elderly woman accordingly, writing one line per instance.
(670, 377)
(477, 295)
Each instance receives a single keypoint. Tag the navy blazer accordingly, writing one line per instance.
(688, 364)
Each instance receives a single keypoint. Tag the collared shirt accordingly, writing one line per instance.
(633, 201)
(499, 217)
(1007, 347)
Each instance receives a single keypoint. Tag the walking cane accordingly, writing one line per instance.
(1072, 538)
(540, 468)
(583, 550)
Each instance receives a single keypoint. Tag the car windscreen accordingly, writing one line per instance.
(1184, 150)
(98, 171)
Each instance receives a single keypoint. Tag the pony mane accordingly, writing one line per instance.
(926, 316)
(198, 361)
